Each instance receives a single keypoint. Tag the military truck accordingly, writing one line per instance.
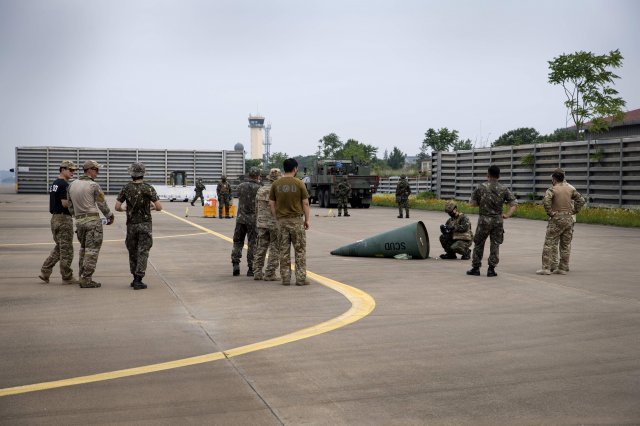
(323, 179)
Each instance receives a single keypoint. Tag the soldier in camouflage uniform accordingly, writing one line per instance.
(246, 222)
(139, 197)
(199, 188)
(85, 198)
(223, 192)
(456, 234)
(289, 201)
(344, 193)
(403, 190)
(561, 202)
(61, 226)
(554, 255)
(268, 233)
(490, 197)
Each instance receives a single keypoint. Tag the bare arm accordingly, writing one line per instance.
(272, 207)
(307, 212)
(512, 209)
(118, 207)
(157, 205)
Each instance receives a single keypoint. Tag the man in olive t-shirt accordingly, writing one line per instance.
(289, 202)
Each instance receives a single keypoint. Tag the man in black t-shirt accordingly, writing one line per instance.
(61, 226)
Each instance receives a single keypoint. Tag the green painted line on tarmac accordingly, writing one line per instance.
(362, 304)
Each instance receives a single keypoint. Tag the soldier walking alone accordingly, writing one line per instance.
(61, 226)
(139, 196)
(268, 233)
(199, 188)
(344, 193)
(223, 192)
(246, 222)
(561, 202)
(490, 197)
(403, 190)
(85, 198)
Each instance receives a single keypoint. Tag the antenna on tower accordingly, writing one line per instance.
(267, 146)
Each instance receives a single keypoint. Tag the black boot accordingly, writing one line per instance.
(491, 272)
(474, 271)
(236, 269)
(138, 284)
(466, 255)
(448, 256)
(134, 281)
(346, 214)
(400, 216)
(250, 272)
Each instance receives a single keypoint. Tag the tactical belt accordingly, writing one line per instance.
(80, 216)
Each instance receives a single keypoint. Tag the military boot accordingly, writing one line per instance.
(466, 255)
(250, 272)
(346, 214)
(400, 216)
(474, 271)
(491, 272)
(69, 280)
(44, 277)
(89, 283)
(340, 213)
(271, 277)
(448, 256)
(236, 269)
(138, 284)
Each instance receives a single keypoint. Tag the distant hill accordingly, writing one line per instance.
(7, 177)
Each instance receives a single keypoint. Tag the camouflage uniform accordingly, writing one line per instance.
(561, 202)
(84, 195)
(199, 188)
(554, 254)
(459, 239)
(288, 193)
(268, 233)
(403, 190)
(490, 196)
(138, 197)
(344, 193)
(223, 192)
(246, 221)
(61, 229)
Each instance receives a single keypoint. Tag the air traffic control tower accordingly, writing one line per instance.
(256, 124)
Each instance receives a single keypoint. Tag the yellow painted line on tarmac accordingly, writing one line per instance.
(104, 241)
(362, 304)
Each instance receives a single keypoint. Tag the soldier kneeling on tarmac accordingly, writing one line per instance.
(456, 234)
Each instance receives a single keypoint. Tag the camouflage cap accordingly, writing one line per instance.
(450, 206)
(254, 172)
(403, 176)
(91, 164)
(274, 174)
(68, 164)
(223, 177)
(137, 170)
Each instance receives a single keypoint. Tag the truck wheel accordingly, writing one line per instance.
(320, 199)
(366, 206)
(327, 198)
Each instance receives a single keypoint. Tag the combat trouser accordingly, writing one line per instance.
(452, 246)
(242, 230)
(558, 238)
(488, 227)
(343, 202)
(267, 240)
(224, 201)
(62, 230)
(90, 237)
(198, 195)
(292, 233)
(139, 241)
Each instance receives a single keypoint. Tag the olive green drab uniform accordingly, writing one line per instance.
(223, 192)
(344, 193)
(460, 238)
(403, 190)
(200, 187)
(84, 195)
(561, 202)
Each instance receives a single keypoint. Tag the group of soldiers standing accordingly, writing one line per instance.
(83, 200)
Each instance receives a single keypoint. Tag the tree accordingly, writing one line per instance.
(461, 145)
(276, 159)
(439, 140)
(248, 164)
(520, 136)
(560, 135)
(586, 80)
(329, 145)
(355, 149)
(396, 158)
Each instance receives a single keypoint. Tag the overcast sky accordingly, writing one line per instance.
(186, 74)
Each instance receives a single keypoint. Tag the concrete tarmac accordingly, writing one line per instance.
(440, 347)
